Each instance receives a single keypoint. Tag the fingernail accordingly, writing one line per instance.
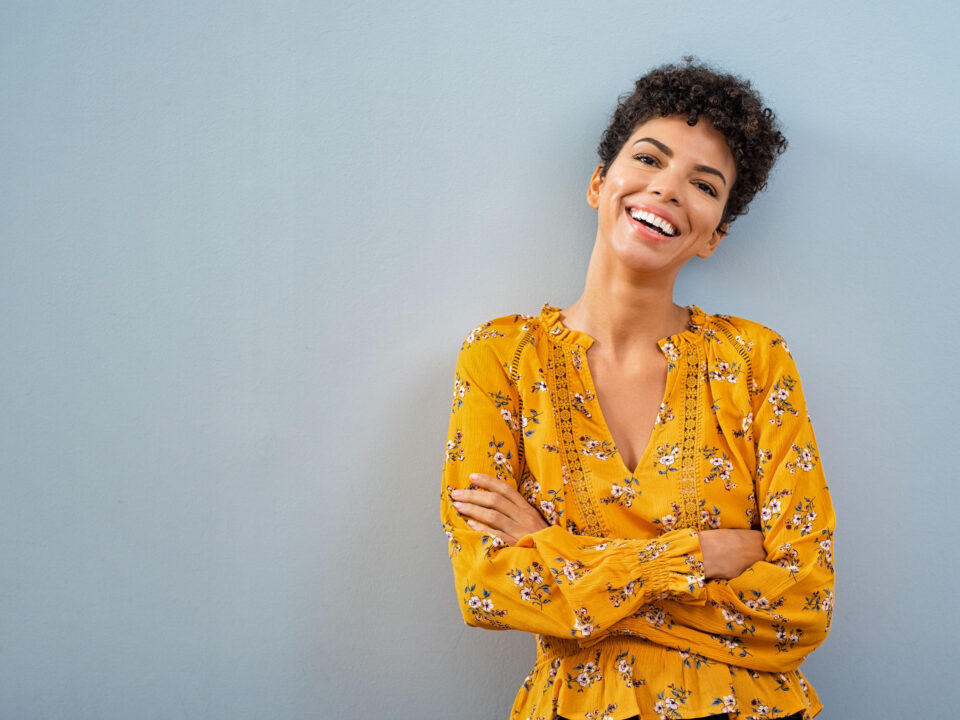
(458, 505)
(455, 493)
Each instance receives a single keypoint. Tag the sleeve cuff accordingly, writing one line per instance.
(678, 570)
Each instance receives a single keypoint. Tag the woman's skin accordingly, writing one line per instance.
(681, 174)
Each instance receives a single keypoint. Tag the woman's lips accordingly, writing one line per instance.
(660, 220)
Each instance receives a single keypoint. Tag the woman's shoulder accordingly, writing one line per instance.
(749, 333)
(492, 350)
(760, 345)
(502, 333)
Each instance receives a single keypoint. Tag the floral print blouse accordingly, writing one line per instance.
(625, 622)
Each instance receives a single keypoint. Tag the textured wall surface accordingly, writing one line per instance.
(240, 244)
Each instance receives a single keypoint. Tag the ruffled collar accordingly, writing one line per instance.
(550, 318)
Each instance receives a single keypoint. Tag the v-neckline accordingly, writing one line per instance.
(668, 346)
(605, 427)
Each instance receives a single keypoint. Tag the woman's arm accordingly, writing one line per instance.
(551, 581)
(500, 511)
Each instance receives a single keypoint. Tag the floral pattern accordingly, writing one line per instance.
(664, 416)
(453, 546)
(576, 358)
(617, 575)
(709, 517)
(666, 460)
(803, 518)
(541, 384)
(455, 447)
(605, 714)
(806, 458)
(533, 587)
(719, 467)
(621, 595)
(624, 492)
(569, 571)
(500, 458)
(550, 505)
(725, 371)
(585, 675)
(482, 332)
(787, 637)
(669, 701)
(733, 646)
(600, 449)
(756, 600)
(656, 616)
(528, 421)
(760, 709)
(726, 704)
(481, 605)
(460, 389)
(669, 521)
(579, 402)
(773, 508)
(779, 399)
(825, 550)
(584, 625)
(821, 603)
(692, 659)
(671, 353)
(738, 622)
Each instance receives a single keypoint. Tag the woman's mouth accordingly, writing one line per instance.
(654, 222)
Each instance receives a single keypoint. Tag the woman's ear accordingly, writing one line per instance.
(714, 242)
(593, 189)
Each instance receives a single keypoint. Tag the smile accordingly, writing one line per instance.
(654, 222)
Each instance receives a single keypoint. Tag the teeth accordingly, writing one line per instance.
(655, 220)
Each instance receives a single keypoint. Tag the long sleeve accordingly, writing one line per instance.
(552, 581)
(774, 614)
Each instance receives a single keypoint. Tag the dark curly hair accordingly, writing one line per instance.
(731, 105)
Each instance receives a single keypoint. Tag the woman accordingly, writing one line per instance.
(635, 482)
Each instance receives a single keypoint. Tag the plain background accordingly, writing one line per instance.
(240, 244)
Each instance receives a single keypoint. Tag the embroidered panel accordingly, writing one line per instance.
(515, 379)
(570, 453)
(689, 487)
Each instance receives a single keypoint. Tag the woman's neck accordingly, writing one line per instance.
(625, 313)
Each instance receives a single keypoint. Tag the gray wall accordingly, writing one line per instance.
(241, 242)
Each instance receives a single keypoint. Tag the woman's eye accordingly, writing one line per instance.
(647, 159)
(707, 188)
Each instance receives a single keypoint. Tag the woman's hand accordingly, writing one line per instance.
(497, 509)
(727, 553)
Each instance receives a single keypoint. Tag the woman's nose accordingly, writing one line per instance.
(665, 185)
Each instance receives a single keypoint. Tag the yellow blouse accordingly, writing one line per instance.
(626, 624)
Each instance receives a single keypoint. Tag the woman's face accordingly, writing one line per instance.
(662, 198)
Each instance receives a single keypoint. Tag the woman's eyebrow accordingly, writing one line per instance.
(669, 153)
(660, 146)
(712, 171)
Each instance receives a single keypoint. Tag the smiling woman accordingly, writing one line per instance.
(661, 199)
(635, 482)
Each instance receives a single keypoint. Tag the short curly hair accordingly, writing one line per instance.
(732, 106)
